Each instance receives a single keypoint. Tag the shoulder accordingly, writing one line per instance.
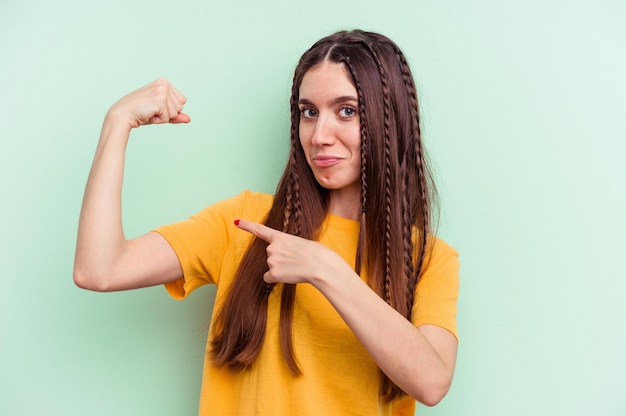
(437, 250)
(441, 254)
(437, 290)
(442, 265)
(438, 247)
(246, 205)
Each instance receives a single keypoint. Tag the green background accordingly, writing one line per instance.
(524, 110)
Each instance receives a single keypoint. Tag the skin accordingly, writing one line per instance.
(330, 134)
(419, 360)
(105, 260)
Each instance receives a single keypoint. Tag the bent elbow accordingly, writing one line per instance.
(82, 280)
(433, 398)
(89, 280)
(433, 394)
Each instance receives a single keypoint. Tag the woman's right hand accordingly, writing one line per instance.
(157, 103)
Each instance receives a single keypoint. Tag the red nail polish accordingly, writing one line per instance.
(236, 222)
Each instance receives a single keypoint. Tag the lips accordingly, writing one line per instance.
(324, 161)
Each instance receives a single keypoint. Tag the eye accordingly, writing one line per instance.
(347, 112)
(308, 112)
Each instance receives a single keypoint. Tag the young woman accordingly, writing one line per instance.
(333, 296)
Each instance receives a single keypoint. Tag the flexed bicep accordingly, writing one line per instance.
(105, 259)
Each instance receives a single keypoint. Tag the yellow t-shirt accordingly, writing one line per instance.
(338, 375)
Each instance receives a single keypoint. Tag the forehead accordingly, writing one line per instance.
(328, 78)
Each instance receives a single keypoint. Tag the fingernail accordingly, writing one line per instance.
(236, 222)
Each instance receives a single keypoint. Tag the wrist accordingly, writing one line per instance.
(114, 133)
(336, 273)
(118, 121)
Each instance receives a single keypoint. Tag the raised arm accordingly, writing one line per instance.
(105, 260)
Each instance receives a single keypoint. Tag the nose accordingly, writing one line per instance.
(324, 132)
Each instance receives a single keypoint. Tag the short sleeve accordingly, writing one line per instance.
(208, 245)
(437, 291)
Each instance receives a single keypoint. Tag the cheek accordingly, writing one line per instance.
(304, 134)
(355, 138)
(300, 132)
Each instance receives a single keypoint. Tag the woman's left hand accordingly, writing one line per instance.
(293, 259)
(419, 360)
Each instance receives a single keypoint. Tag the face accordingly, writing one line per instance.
(329, 128)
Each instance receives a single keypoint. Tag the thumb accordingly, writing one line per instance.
(180, 118)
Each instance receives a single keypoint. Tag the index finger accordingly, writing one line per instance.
(264, 232)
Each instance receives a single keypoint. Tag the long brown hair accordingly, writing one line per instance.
(397, 193)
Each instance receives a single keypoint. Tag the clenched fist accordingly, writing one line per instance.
(157, 103)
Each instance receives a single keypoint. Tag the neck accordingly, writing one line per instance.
(345, 203)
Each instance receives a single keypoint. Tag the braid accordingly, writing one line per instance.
(291, 224)
(363, 174)
(292, 172)
(387, 173)
(393, 168)
(407, 239)
(422, 180)
(412, 174)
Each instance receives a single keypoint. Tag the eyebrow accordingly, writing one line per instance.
(335, 101)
